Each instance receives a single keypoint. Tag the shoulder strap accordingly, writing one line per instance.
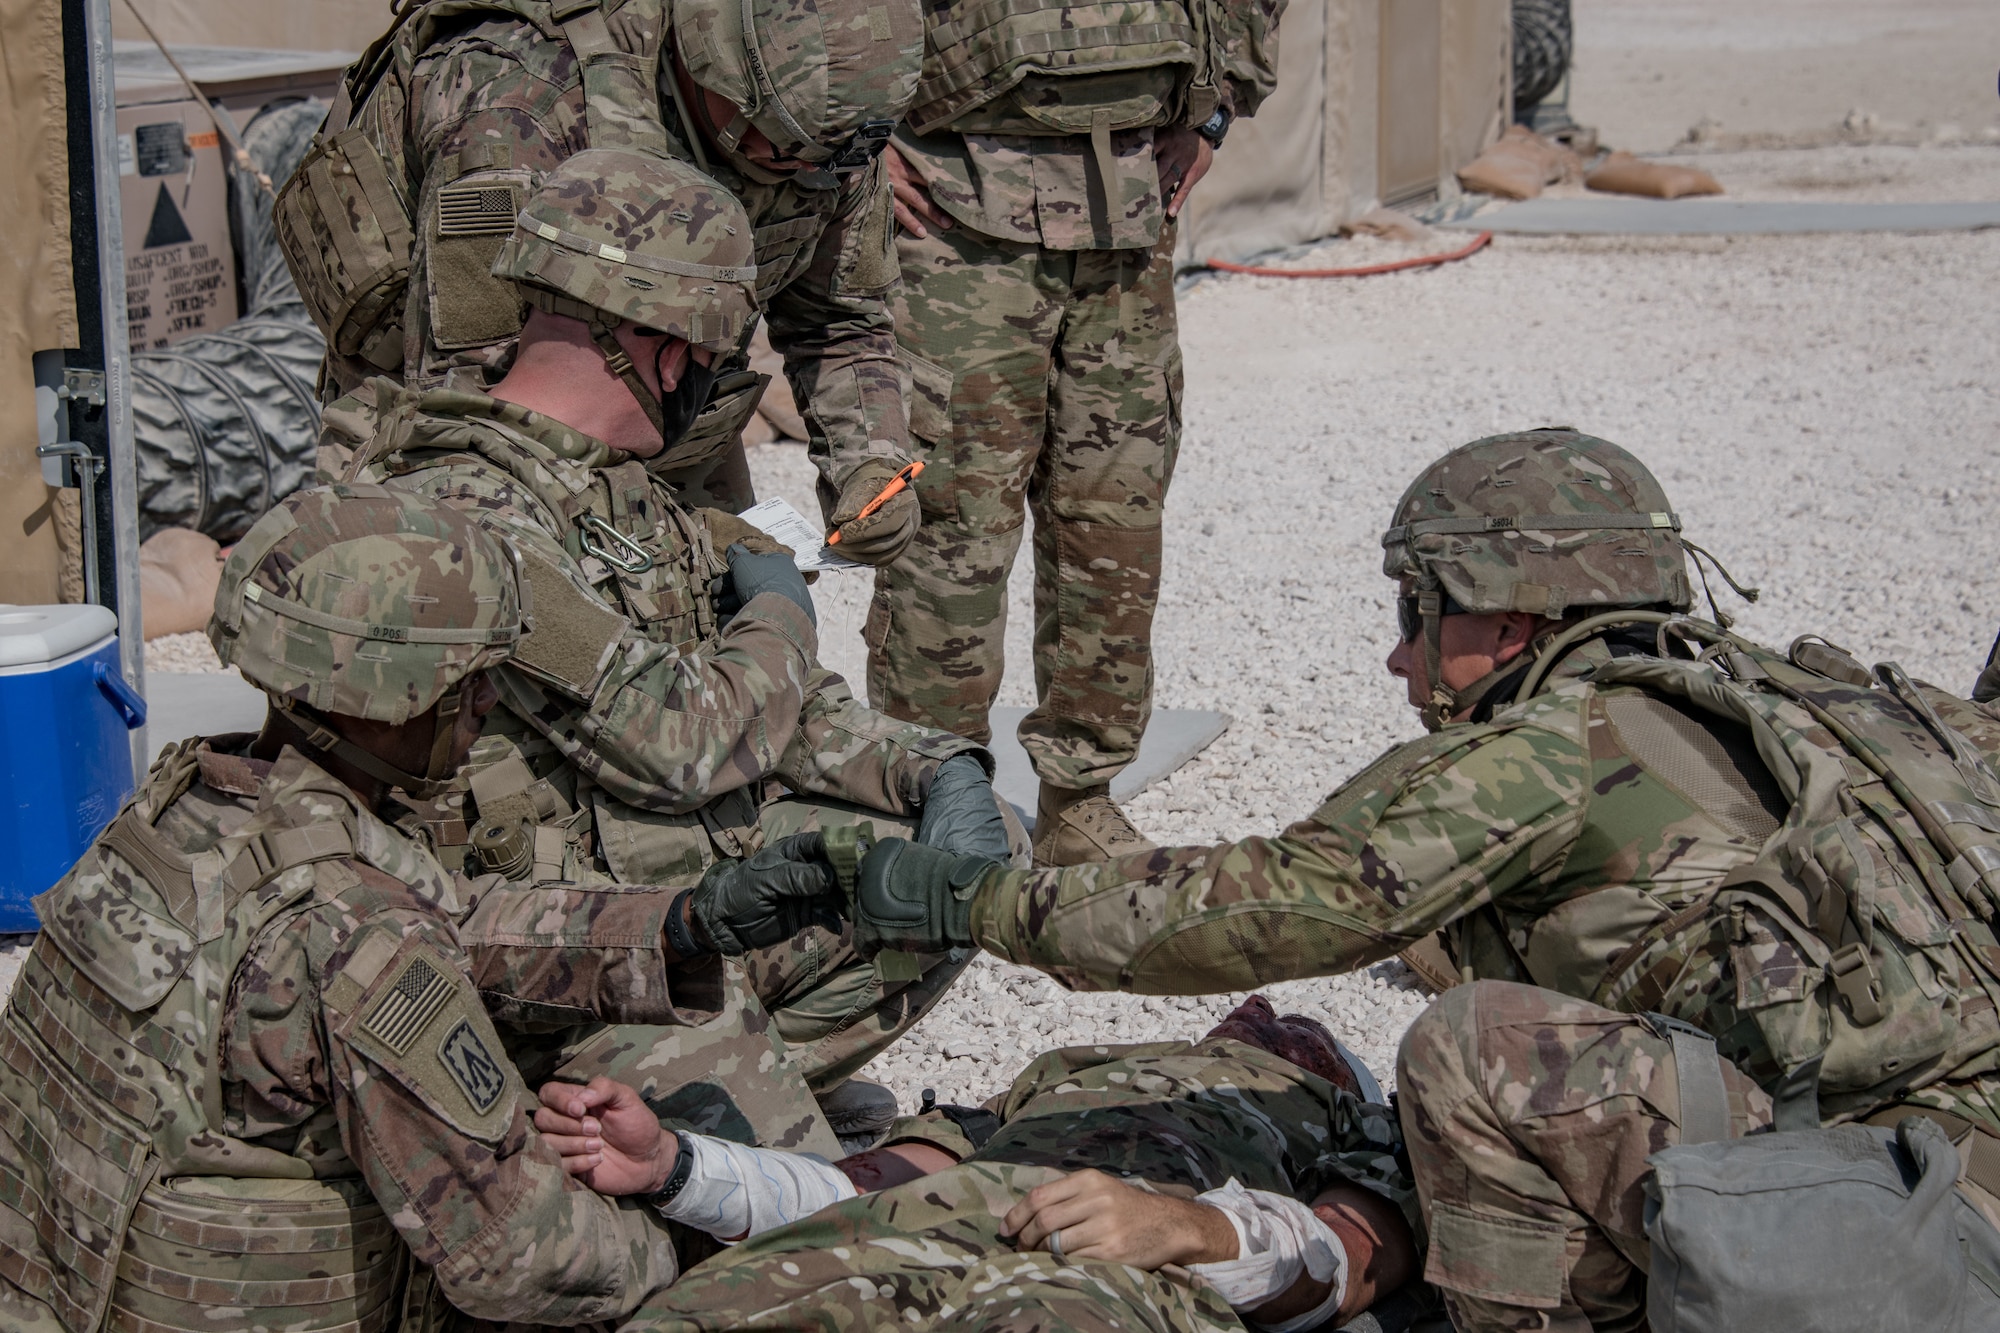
(134, 840)
(620, 71)
(271, 853)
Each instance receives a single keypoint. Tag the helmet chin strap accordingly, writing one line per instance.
(438, 770)
(1442, 701)
(603, 326)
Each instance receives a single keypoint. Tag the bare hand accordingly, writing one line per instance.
(913, 202)
(1107, 1220)
(1183, 158)
(606, 1136)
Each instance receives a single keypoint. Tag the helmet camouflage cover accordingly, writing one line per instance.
(825, 82)
(365, 602)
(641, 237)
(1544, 521)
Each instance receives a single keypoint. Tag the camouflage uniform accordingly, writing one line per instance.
(1181, 1118)
(1046, 365)
(247, 1080)
(1575, 833)
(468, 106)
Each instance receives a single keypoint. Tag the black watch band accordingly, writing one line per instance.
(1215, 127)
(680, 935)
(677, 1178)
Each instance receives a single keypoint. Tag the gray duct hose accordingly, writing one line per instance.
(226, 423)
(1542, 43)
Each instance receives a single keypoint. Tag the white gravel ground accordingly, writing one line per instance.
(1822, 409)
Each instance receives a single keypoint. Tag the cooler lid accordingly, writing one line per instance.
(32, 634)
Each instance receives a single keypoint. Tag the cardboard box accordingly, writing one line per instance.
(180, 270)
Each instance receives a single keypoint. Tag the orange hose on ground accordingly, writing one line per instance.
(1366, 270)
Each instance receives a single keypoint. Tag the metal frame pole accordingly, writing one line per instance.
(97, 240)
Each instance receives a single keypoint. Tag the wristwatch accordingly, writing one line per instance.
(1215, 127)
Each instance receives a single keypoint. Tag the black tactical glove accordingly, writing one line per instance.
(751, 573)
(883, 535)
(961, 814)
(917, 898)
(759, 902)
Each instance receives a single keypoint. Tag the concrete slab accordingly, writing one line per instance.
(184, 704)
(1174, 736)
(1721, 217)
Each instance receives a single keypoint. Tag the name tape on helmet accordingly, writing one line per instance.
(1529, 522)
(362, 629)
(583, 245)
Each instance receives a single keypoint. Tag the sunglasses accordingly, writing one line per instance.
(1410, 620)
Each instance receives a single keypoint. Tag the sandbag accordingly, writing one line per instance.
(1622, 173)
(1848, 1230)
(1520, 166)
(179, 570)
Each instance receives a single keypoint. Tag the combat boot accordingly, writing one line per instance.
(859, 1113)
(1078, 825)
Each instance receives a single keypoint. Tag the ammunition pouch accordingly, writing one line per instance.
(346, 231)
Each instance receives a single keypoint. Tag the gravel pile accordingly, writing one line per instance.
(1822, 409)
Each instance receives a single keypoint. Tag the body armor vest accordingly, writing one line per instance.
(1082, 67)
(124, 1203)
(531, 815)
(1860, 939)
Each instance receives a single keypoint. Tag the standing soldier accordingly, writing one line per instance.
(1701, 887)
(639, 725)
(1048, 151)
(452, 118)
(246, 1064)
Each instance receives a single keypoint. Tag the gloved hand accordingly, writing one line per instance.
(761, 901)
(751, 573)
(961, 814)
(884, 534)
(918, 898)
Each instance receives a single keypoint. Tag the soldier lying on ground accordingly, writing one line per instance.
(246, 1066)
(1080, 1198)
(644, 719)
(1790, 857)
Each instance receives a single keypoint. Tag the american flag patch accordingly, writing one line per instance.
(408, 1008)
(476, 210)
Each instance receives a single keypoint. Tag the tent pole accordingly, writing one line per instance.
(101, 413)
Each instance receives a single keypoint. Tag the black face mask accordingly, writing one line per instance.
(679, 408)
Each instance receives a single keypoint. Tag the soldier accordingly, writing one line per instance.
(639, 726)
(246, 1063)
(452, 118)
(1037, 181)
(1261, 1168)
(1645, 836)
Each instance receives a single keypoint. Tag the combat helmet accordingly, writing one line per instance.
(360, 601)
(825, 83)
(619, 233)
(1551, 522)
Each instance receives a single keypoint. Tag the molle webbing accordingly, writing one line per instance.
(976, 53)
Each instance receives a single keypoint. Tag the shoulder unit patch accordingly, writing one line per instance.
(478, 1075)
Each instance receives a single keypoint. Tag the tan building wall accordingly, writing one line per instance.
(34, 286)
(282, 25)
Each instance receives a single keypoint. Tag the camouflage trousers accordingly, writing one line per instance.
(798, 1019)
(927, 1254)
(1529, 1117)
(1064, 383)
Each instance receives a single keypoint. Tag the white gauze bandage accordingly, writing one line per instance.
(1278, 1240)
(733, 1191)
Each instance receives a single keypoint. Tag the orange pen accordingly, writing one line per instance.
(904, 478)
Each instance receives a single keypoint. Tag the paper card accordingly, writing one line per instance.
(789, 526)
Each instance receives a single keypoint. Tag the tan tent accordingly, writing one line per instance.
(1378, 102)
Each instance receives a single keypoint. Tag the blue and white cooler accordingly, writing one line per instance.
(65, 760)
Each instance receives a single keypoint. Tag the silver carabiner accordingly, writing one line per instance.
(641, 560)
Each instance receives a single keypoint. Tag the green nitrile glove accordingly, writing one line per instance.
(917, 898)
(765, 899)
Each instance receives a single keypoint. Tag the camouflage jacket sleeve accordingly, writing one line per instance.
(360, 1006)
(660, 728)
(847, 750)
(559, 955)
(1430, 832)
(832, 326)
(1246, 41)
